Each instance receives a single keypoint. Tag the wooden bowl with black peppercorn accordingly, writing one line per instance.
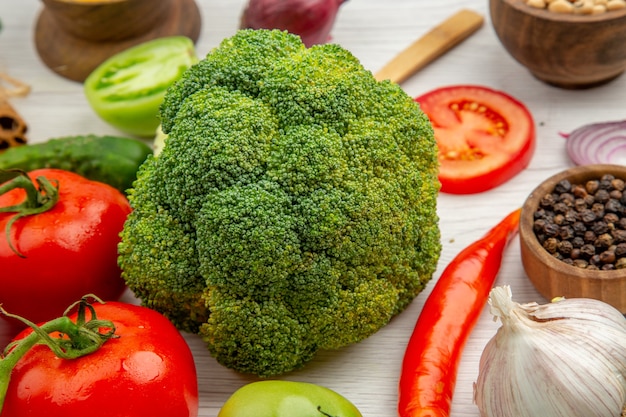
(573, 235)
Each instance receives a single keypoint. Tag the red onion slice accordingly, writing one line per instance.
(598, 143)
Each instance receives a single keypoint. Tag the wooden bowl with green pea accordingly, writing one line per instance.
(573, 235)
(580, 47)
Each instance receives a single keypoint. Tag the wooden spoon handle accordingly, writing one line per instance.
(431, 46)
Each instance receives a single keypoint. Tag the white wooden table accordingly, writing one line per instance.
(366, 373)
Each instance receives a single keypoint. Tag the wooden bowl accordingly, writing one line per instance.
(565, 50)
(73, 37)
(551, 276)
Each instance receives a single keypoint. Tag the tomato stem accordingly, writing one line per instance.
(75, 339)
(38, 199)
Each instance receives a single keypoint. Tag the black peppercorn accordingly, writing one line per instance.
(589, 236)
(581, 263)
(571, 216)
(566, 232)
(587, 250)
(605, 182)
(538, 225)
(607, 257)
(619, 236)
(564, 186)
(584, 225)
(551, 245)
(565, 247)
(613, 206)
(620, 250)
(579, 191)
(598, 209)
(547, 201)
(579, 228)
(588, 216)
(618, 184)
(616, 194)
(560, 208)
(611, 219)
(551, 229)
(602, 196)
(592, 186)
(567, 199)
(603, 241)
(600, 227)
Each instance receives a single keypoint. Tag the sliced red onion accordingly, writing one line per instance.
(598, 143)
(312, 20)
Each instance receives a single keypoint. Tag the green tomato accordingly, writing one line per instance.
(287, 399)
(127, 89)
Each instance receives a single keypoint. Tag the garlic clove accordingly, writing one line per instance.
(566, 359)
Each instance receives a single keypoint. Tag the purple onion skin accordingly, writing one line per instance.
(598, 143)
(312, 20)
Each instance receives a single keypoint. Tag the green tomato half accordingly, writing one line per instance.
(127, 89)
(287, 399)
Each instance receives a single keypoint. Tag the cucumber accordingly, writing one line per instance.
(109, 159)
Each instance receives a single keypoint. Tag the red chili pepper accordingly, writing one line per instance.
(429, 368)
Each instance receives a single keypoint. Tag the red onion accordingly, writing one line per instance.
(312, 20)
(598, 143)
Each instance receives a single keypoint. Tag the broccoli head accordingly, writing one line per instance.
(292, 208)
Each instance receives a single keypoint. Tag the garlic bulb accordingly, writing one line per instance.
(562, 359)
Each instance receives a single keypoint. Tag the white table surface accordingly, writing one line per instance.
(366, 373)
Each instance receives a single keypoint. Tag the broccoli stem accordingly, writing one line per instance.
(82, 338)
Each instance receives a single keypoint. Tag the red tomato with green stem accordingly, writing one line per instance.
(144, 369)
(58, 241)
(485, 137)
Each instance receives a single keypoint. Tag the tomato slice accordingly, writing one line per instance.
(127, 89)
(485, 136)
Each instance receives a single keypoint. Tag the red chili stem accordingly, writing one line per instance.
(81, 338)
(433, 353)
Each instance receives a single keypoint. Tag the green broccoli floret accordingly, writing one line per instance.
(292, 208)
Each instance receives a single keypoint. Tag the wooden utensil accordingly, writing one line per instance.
(431, 46)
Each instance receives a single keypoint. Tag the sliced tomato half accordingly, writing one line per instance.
(485, 136)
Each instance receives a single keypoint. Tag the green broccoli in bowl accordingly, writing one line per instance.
(292, 208)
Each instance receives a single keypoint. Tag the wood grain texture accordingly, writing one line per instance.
(366, 373)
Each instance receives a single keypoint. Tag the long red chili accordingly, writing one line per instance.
(429, 368)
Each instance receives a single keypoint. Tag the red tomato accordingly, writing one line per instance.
(485, 137)
(148, 371)
(68, 251)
